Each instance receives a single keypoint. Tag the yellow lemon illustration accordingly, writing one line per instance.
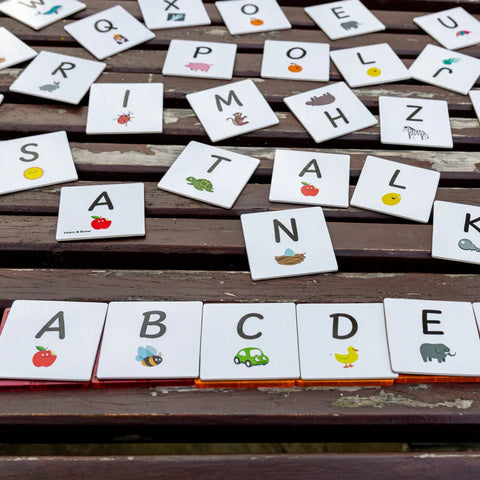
(391, 198)
(374, 72)
(33, 173)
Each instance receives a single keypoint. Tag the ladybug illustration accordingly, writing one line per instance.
(124, 118)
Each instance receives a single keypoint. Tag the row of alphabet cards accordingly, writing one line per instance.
(59, 341)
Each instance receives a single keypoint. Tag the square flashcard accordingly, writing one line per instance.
(40, 13)
(256, 341)
(188, 58)
(232, 109)
(330, 112)
(343, 341)
(13, 50)
(125, 108)
(245, 16)
(446, 69)
(346, 18)
(475, 99)
(396, 189)
(109, 32)
(101, 211)
(151, 340)
(209, 174)
(456, 232)
(288, 243)
(369, 65)
(51, 340)
(414, 122)
(310, 178)
(430, 337)
(173, 13)
(454, 28)
(58, 77)
(296, 61)
(36, 161)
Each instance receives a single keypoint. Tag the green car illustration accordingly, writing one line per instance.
(250, 356)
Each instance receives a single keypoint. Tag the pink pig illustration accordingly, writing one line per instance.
(203, 67)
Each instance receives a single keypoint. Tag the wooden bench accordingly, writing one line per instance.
(193, 251)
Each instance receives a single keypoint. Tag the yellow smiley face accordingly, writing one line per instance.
(374, 72)
(33, 173)
(391, 198)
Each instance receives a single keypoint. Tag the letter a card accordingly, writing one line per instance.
(430, 337)
(343, 341)
(13, 50)
(232, 109)
(209, 174)
(151, 340)
(36, 161)
(47, 340)
(344, 19)
(414, 122)
(58, 77)
(288, 243)
(330, 112)
(119, 108)
(101, 211)
(109, 32)
(456, 232)
(247, 16)
(454, 28)
(40, 13)
(187, 58)
(256, 341)
(173, 13)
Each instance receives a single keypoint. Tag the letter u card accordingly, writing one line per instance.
(151, 340)
(343, 341)
(51, 340)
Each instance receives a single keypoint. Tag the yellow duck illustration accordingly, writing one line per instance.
(348, 359)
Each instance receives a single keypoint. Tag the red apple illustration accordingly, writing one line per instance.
(309, 190)
(100, 223)
(44, 357)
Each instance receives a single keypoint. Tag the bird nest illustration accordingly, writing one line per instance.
(290, 259)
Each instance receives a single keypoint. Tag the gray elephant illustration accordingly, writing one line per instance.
(429, 351)
(350, 25)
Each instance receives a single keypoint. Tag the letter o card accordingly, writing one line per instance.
(47, 340)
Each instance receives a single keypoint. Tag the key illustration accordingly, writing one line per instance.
(466, 244)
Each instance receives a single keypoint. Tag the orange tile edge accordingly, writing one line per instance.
(245, 384)
(345, 383)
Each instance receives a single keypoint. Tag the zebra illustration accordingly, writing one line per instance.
(414, 133)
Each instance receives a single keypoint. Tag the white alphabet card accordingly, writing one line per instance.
(475, 99)
(232, 109)
(257, 342)
(456, 232)
(109, 32)
(454, 28)
(58, 77)
(296, 61)
(414, 122)
(13, 50)
(396, 189)
(123, 108)
(209, 174)
(446, 69)
(101, 211)
(36, 161)
(288, 243)
(252, 16)
(173, 13)
(151, 340)
(343, 341)
(330, 112)
(430, 337)
(369, 65)
(310, 178)
(51, 340)
(40, 13)
(189, 58)
(344, 19)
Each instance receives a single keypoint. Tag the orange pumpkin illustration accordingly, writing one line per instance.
(295, 68)
(256, 21)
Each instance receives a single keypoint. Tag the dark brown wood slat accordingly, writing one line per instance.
(238, 467)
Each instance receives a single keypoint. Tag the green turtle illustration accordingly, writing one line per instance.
(200, 183)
